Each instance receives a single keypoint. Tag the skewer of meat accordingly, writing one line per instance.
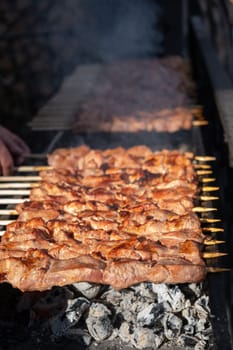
(159, 162)
(67, 192)
(126, 177)
(40, 272)
(61, 245)
(82, 232)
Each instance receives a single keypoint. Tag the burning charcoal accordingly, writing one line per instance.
(197, 317)
(145, 337)
(144, 289)
(190, 315)
(191, 342)
(202, 304)
(125, 332)
(172, 325)
(189, 329)
(98, 310)
(89, 290)
(201, 345)
(129, 299)
(201, 324)
(76, 308)
(112, 296)
(196, 288)
(150, 314)
(115, 334)
(77, 333)
(202, 314)
(172, 297)
(98, 322)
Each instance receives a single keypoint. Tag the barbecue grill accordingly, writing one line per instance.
(51, 129)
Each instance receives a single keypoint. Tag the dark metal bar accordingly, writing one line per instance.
(217, 84)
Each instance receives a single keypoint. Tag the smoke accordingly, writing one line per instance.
(118, 29)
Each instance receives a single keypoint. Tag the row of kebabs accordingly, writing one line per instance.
(139, 95)
(116, 217)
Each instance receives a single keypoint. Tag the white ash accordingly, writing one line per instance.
(174, 298)
(98, 322)
(192, 343)
(145, 290)
(196, 288)
(172, 325)
(149, 315)
(145, 338)
(89, 290)
(145, 316)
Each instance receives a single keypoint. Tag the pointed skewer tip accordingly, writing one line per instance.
(205, 158)
(204, 172)
(203, 209)
(217, 269)
(207, 179)
(208, 198)
(202, 166)
(200, 122)
(212, 255)
(210, 188)
(210, 221)
(213, 242)
(213, 229)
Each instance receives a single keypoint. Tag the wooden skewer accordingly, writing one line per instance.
(5, 222)
(205, 158)
(26, 168)
(207, 179)
(18, 185)
(209, 188)
(50, 127)
(204, 172)
(208, 198)
(209, 221)
(202, 166)
(12, 200)
(213, 242)
(199, 122)
(36, 156)
(19, 178)
(217, 269)
(14, 192)
(212, 255)
(213, 229)
(8, 212)
(203, 209)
